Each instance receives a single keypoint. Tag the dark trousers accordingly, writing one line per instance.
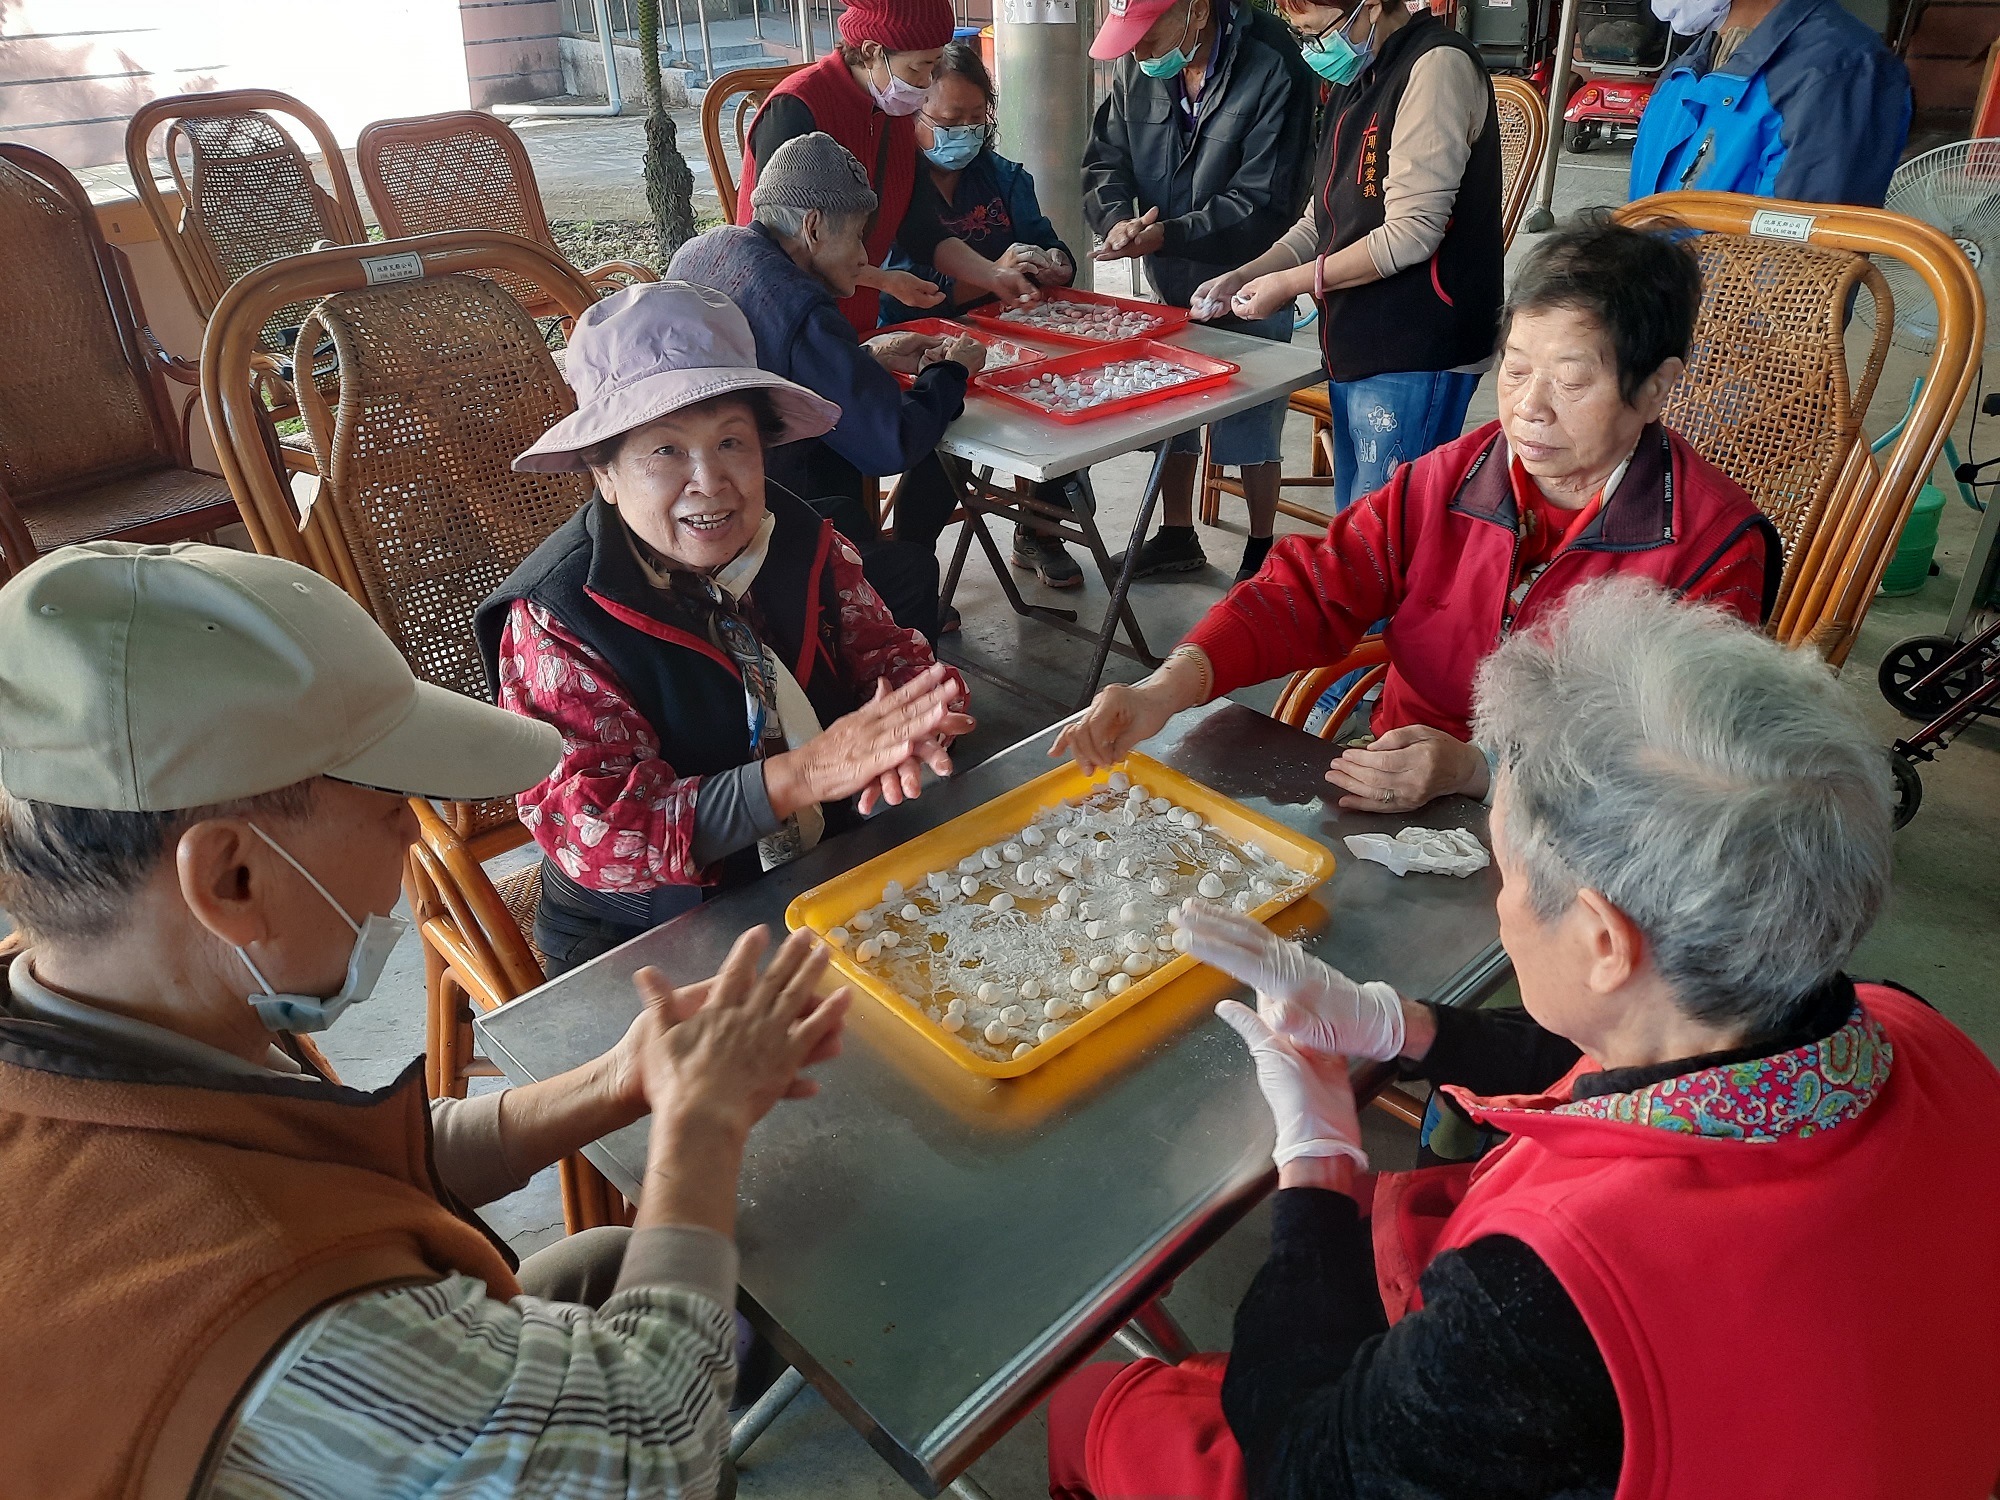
(569, 936)
(903, 569)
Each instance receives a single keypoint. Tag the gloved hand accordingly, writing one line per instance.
(1311, 1100)
(1312, 1005)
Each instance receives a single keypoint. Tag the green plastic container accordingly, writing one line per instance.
(1911, 565)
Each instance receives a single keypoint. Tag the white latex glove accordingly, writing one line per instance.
(1311, 1101)
(1311, 1004)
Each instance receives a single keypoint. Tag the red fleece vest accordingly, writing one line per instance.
(845, 112)
(1818, 1315)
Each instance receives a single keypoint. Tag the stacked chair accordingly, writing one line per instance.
(247, 195)
(467, 170)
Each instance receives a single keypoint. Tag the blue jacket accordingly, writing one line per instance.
(995, 207)
(1811, 106)
(802, 335)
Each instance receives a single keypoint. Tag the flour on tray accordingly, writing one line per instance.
(1025, 937)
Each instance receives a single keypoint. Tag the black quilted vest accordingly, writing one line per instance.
(658, 649)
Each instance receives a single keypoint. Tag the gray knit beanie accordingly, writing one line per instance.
(814, 171)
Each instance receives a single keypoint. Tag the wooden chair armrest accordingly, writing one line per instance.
(1303, 690)
(614, 274)
(186, 371)
(463, 884)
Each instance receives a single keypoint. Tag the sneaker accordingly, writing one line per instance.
(1047, 558)
(1167, 551)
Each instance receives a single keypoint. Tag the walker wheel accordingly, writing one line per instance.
(1908, 663)
(1909, 789)
(1580, 136)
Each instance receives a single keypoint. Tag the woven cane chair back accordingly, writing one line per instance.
(442, 382)
(461, 170)
(1524, 135)
(248, 194)
(737, 94)
(73, 401)
(1769, 397)
(92, 443)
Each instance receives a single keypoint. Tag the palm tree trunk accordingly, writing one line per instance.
(669, 183)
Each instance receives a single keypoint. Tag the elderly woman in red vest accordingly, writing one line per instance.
(725, 680)
(1743, 1244)
(1578, 478)
(866, 94)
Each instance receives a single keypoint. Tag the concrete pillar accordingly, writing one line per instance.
(1041, 52)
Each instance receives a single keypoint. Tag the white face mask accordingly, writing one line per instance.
(899, 98)
(1691, 17)
(373, 940)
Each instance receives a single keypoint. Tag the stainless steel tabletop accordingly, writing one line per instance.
(934, 1249)
(999, 435)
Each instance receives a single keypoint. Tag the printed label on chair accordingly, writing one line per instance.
(379, 269)
(1773, 225)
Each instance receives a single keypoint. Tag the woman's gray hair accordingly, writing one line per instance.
(1711, 784)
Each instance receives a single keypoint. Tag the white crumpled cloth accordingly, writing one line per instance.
(1430, 851)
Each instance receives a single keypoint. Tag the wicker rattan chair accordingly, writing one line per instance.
(467, 170)
(1524, 133)
(1524, 130)
(92, 442)
(737, 94)
(443, 379)
(1769, 398)
(247, 195)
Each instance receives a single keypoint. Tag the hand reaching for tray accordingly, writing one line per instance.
(911, 291)
(882, 738)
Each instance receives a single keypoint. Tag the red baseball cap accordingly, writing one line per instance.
(1125, 25)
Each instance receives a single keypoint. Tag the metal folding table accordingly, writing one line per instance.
(934, 1250)
(996, 436)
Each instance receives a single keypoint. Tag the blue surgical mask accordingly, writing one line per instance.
(1175, 62)
(1335, 58)
(954, 146)
(373, 940)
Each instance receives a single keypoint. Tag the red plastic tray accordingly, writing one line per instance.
(1209, 373)
(1171, 318)
(944, 326)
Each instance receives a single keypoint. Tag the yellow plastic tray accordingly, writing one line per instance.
(832, 903)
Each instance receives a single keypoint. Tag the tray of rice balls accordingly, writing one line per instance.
(1014, 931)
(1001, 353)
(1093, 383)
(1091, 318)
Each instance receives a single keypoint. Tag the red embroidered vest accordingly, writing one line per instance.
(1816, 1314)
(886, 147)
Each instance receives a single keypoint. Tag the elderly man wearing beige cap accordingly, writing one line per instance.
(227, 1274)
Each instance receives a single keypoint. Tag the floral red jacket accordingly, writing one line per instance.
(627, 820)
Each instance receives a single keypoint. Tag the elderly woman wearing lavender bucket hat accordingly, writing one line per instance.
(728, 687)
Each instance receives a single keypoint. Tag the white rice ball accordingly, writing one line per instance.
(1002, 902)
(1117, 984)
(996, 1033)
(1210, 886)
(837, 936)
(912, 914)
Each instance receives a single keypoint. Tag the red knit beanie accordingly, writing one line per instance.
(898, 25)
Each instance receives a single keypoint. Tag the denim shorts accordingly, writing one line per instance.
(1256, 436)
